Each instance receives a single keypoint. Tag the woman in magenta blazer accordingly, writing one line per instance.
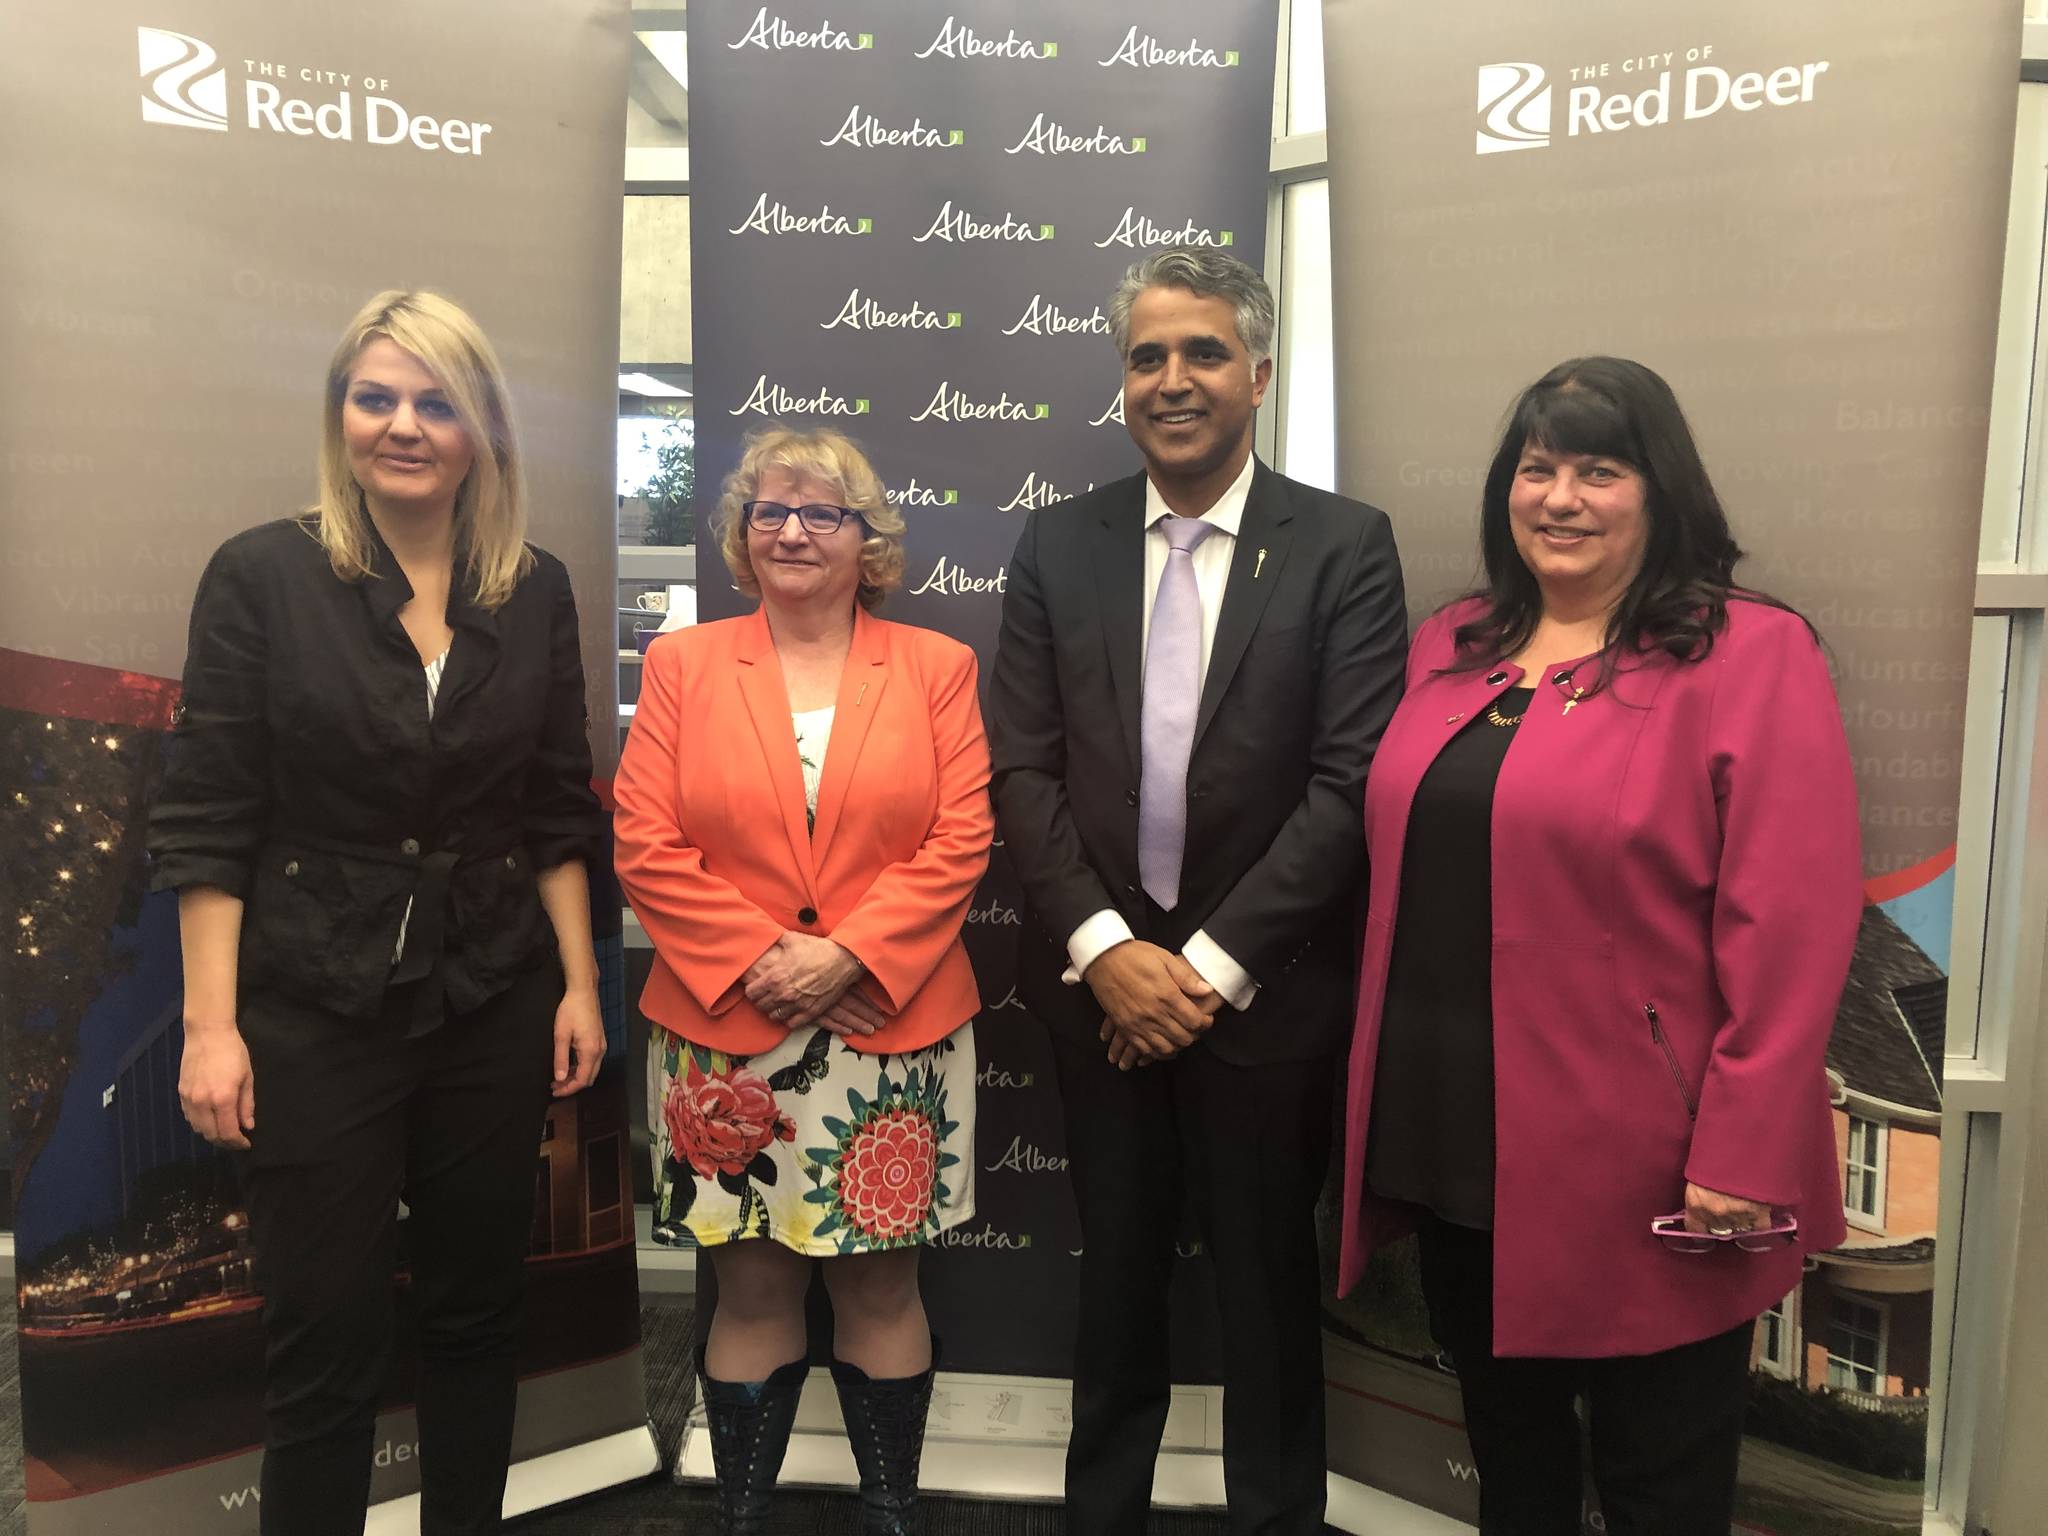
(1615, 887)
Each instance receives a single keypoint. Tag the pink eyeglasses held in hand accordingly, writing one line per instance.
(1671, 1232)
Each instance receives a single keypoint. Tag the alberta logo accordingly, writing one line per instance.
(950, 404)
(955, 581)
(956, 41)
(1139, 232)
(1046, 137)
(766, 399)
(953, 224)
(916, 495)
(1038, 492)
(1514, 108)
(1115, 412)
(1041, 318)
(1141, 50)
(775, 34)
(770, 217)
(860, 314)
(184, 83)
(863, 130)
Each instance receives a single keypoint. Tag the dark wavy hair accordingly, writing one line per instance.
(1610, 407)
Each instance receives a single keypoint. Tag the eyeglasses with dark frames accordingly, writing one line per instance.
(1671, 1232)
(817, 517)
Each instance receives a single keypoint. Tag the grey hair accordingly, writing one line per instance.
(1207, 273)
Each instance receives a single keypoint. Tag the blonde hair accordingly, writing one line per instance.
(490, 505)
(833, 457)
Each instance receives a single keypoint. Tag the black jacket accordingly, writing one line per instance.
(1307, 665)
(304, 776)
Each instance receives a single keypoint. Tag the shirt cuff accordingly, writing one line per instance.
(1085, 945)
(1219, 970)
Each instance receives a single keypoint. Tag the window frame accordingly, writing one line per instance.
(1878, 1137)
(1882, 1311)
(1784, 1362)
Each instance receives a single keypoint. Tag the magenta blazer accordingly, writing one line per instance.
(1680, 851)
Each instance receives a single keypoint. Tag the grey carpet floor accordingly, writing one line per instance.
(654, 1507)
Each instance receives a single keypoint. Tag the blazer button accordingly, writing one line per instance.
(410, 847)
(1495, 677)
(292, 869)
(807, 915)
(511, 861)
(1130, 797)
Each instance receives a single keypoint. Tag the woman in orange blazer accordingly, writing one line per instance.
(803, 816)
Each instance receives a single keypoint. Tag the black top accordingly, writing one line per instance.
(304, 775)
(1431, 1141)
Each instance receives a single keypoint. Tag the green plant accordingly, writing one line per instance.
(670, 490)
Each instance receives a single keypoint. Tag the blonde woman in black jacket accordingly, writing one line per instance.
(377, 813)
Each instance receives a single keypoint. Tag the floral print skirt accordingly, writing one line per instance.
(825, 1149)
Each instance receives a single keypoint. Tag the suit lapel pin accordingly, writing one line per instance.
(1260, 566)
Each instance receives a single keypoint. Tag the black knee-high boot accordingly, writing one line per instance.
(885, 1425)
(750, 1422)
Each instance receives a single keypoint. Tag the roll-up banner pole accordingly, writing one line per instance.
(908, 220)
(1796, 214)
(200, 196)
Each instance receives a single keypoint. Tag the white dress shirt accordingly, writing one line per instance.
(434, 669)
(1104, 929)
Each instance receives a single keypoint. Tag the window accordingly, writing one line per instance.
(1856, 1346)
(1863, 1186)
(1777, 1339)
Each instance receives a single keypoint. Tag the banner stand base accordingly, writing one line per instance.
(544, 1480)
(1005, 1437)
(1369, 1512)
(991, 1437)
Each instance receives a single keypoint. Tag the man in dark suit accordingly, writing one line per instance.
(1195, 667)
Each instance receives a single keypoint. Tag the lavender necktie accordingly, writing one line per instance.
(1173, 694)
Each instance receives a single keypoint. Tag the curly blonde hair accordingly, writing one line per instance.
(490, 507)
(837, 459)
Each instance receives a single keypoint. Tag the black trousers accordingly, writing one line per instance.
(350, 1116)
(1664, 1430)
(1250, 1145)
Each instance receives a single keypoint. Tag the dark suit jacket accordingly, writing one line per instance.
(302, 773)
(1303, 676)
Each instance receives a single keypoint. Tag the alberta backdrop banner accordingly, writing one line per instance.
(200, 197)
(1799, 221)
(908, 222)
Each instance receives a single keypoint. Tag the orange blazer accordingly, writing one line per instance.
(712, 849)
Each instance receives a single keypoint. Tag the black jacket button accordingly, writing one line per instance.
(807, 915)
(1130, 797)
(1496, 677)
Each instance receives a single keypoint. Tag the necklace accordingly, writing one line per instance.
(1495, 717)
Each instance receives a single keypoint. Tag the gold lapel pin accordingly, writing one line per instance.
(861, 695)
(1260, 566)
